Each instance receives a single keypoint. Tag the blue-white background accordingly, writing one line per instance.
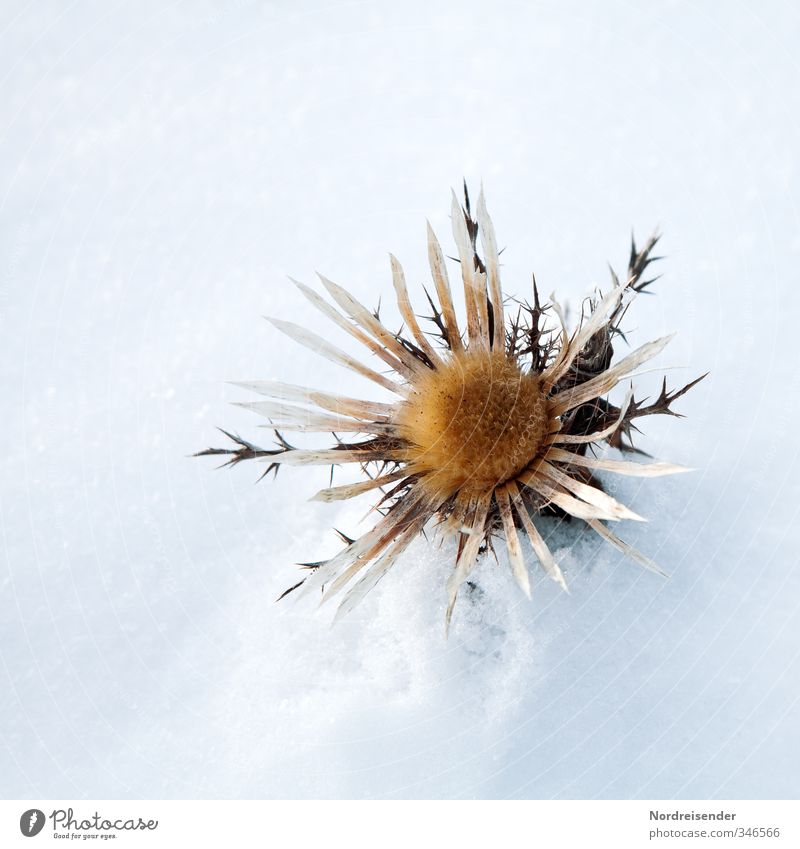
(163, 167)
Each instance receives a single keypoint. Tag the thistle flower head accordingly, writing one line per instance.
(473, 423)
(489, 428)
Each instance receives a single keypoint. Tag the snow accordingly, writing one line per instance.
(165, 167)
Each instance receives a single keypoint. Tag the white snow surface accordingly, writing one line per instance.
(164, 168)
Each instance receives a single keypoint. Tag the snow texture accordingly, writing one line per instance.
(164, 168)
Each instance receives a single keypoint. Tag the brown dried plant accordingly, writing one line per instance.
(489, 429)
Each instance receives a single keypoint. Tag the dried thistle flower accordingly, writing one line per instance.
(488, 431)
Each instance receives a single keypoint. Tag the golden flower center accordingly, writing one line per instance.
(475, 422)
